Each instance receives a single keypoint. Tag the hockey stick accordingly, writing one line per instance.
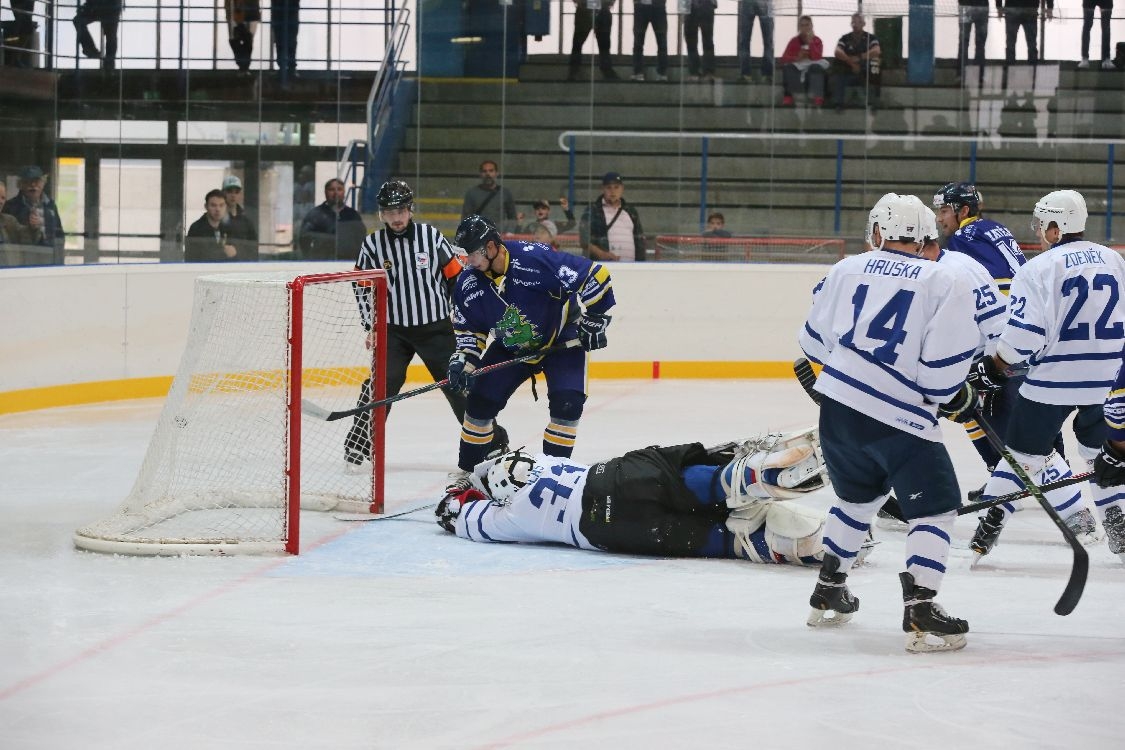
(806, 377)
(1021, 494)
(319, 412)
(376, 517)
(1081, 566)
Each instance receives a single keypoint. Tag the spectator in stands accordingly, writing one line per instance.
(748, 10)
(803, 65)
(542, 208)
(304, 198)
(35, 210)
(601, 21)
(242, 22)
(332, 230)
(491, 200)
(856, 63)
(717, 226)
(213, 238)
(236, 214)
(700, 22)
(545, 236)
(610, 228)
(12, 234)
(1088, 24)
(971, 14)
(21, 34)
(108, 14)
(285, 21)
(1022, 13)
(650, 13)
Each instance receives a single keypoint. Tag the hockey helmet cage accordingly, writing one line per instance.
(958, 194)
(1066, 208)
(474, 233)
(509, 475)
(395, 194)
(872, 218)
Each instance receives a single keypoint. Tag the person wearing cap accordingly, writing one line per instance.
(34, 209)
(12, 234)
(542, 208)
(236, 213)
(610, 228)
(490, 199)
(333, 230)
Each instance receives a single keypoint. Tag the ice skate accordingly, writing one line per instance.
(988, 531)
(831, 601)
(1084, 526)
(928, 627)
(1115, 530)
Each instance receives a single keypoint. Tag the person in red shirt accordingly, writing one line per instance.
(803, 63)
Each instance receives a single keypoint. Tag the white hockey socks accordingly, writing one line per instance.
(927, 548)
(846, 528)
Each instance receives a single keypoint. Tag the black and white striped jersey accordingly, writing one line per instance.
(418, 264)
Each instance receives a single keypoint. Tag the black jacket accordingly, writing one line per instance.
(594, 229)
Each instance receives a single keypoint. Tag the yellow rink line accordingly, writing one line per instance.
(75, 394)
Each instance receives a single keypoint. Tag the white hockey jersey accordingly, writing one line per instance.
(1067, 321)
(547, 509)
(896, 335)
(990, 303)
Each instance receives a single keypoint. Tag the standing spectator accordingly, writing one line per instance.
(601, 21)
(803, 62)
(717, 226)
(242, 21)
(856, 63)
(700, 21)
(748, 10)
(650, 13)
(213, 238)
(490, 200)
(1022, 13)
(236, 214)
(542, 208)
(23, 29)
(12, 234)
(284, 24)
(547, 299)
(610, 227)
(1088, 24)
(108, 14)
(421, 271)
(332, 230)
(972, 14)
(34, 209)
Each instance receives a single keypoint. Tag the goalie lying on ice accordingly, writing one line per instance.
(678, 501)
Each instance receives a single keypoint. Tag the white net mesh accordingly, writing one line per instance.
(214, 478)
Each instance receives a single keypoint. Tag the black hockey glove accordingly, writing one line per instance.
(461, 372)
(960, 407)
(986, 377)
(591, 331)
(1109, 467)
(449, 508)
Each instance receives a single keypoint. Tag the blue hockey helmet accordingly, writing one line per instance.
(958, 194)
(474, 233)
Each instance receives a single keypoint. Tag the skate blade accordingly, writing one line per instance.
(924, 642)
(1090, 539)
(827, 618)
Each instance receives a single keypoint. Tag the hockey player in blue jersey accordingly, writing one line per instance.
(678, 501)
(1067, 322)
(529, 298)
(1109, 467)
(895, 334)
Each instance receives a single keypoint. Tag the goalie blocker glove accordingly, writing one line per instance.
(959, 408)
(591, 331)
(460, 372)
(1109, 467)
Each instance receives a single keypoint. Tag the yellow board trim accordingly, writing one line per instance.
(32, 399)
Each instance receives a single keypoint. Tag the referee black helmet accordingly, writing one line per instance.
(395, 194)
(958, 194)
(474, 232)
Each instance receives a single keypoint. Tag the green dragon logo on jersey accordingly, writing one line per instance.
(514, 331)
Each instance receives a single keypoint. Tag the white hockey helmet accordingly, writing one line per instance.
(929, 218)
(1066, 208)
(509, 475)
(873, 217)
(899, 218)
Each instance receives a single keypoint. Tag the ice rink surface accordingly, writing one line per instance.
(394, 634)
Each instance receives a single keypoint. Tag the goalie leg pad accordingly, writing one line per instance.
(795, 533)
(777, 466)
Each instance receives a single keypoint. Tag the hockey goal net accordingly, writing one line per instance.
(232, 460)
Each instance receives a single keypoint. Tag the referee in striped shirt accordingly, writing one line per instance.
(421, 270)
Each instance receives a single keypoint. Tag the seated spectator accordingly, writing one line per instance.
(213, 238)
(716, 226)
(803, 63)
(856, 64)
(35, 210)
(236, 213)
(542, 208)
(544, 236)
(332, 230)
(12, 234)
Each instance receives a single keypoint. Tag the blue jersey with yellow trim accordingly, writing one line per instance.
(1114, 407)
(992, 245)
(528, 306)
